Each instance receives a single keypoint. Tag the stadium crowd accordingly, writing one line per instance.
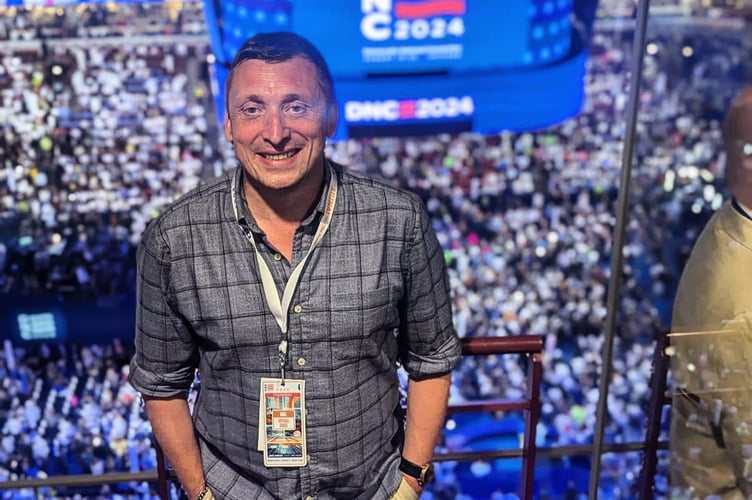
(86, 21)
(97, 137)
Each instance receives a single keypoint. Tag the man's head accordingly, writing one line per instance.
(738, 144)
(279, 47)
(279, 111)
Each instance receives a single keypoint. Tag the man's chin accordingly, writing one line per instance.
(277, 183)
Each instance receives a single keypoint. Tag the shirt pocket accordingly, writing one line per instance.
(364, 325)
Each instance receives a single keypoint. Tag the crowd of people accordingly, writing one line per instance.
(30, 23)
(65, 411)
(97, 137)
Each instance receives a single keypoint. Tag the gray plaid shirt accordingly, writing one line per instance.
(373, 293)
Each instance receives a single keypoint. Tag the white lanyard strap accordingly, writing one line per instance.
(280, 310)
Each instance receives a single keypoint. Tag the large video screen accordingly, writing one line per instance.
(386, 37)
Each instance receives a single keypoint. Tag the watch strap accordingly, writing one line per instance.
(419, 472)
(205, 494)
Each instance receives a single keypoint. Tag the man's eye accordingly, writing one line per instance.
(250, 110)
(297, 108)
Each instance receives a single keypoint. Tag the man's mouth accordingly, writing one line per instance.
(278, 157)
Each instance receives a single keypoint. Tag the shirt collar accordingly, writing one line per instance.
(742, 209)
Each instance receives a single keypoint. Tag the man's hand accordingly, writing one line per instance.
(413, 483)
(407, 489)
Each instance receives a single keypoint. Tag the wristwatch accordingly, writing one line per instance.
(423, 473)
(205, 494)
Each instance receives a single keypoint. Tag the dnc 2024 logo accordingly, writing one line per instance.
(405, 20)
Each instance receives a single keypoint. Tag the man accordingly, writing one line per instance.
(315, 279)
(711, 429)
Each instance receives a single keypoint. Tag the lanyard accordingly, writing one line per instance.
(281, 309)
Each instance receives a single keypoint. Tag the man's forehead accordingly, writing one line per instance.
(295, 65)
(276, 77)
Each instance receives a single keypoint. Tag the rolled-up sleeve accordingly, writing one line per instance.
(428, 341)
(165, 357)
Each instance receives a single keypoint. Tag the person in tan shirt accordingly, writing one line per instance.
(711, 338)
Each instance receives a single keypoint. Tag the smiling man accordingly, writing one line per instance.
(296, 289)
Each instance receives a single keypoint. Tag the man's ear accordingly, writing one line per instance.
(228, 128)
(331, 118)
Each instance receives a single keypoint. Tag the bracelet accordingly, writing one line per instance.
(205, 493)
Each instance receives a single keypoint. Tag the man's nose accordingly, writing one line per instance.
(275, 129)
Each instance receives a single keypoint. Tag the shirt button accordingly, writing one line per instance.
(277, 256)
(301, 361)
(298, 308)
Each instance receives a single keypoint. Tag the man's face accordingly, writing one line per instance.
(278, 119)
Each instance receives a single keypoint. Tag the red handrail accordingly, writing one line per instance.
(532, 346)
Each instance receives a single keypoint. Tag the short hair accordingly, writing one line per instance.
(278, 47)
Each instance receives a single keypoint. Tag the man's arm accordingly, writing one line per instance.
(429, 346)
(173, 428)
(426, 411)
